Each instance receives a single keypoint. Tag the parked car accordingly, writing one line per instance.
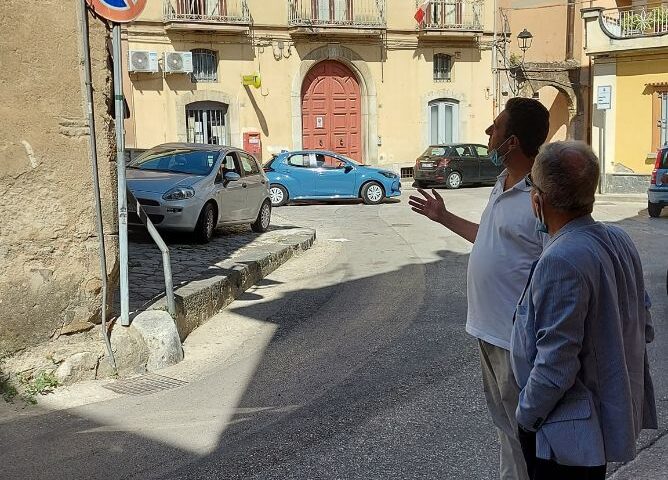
(455, 164)
(657, 195)
(195, 188)
(319, 174)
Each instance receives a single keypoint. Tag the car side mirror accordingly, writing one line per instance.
(231, 177)
(348, 169)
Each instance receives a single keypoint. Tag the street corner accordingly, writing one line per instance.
(209, 277)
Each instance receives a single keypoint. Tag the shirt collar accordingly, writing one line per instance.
(574, 224)
(521, 185)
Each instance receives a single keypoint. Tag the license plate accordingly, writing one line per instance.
(428, 165)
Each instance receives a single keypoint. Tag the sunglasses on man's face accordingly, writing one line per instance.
(530, 183)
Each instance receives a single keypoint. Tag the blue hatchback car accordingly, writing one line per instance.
(320, 175)
(658, 189)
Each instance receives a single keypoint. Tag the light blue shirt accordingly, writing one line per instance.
(578, 347)
(504, 249)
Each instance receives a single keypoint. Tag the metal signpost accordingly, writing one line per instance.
(120, 11)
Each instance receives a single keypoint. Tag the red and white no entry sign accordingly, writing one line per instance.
(120, 11)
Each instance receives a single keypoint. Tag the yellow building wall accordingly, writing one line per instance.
(633, 99)
(402, 76)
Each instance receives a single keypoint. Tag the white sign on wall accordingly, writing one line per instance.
(604, 97)
(319, 122)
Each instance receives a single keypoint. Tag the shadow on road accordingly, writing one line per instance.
(373, 378)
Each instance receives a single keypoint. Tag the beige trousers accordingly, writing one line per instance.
(502, 393)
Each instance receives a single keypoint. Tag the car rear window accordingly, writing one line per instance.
(664, 159)
(437, 151)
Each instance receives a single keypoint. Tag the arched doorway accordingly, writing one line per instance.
(557, 104)
(331, 110)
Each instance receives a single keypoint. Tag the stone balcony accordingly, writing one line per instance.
(625, 29)
(222, 16)
(452, 18)
(336, 17)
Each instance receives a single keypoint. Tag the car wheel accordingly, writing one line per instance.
(373, 193)
(278, 195)
(654, 209)
(454, 180)
(263, 220)
(206, 223)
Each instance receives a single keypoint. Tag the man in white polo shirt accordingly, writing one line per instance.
(505, 245)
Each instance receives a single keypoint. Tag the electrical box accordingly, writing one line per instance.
(253, 144)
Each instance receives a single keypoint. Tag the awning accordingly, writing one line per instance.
(657, 84)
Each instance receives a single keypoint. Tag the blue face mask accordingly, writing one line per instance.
(541, 226)
(494, 156)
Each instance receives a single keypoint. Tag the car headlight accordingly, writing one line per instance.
(389, 174)
(179, 193)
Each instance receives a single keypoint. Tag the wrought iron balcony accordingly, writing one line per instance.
(337, 13)
(445, 15)
(640, 21)
(230, 12)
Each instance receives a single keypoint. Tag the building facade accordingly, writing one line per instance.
(360, 77)
(629, 49)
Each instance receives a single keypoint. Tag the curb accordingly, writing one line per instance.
(622, 197)
(201, 299)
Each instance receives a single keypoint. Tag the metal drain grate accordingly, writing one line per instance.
(144, 384)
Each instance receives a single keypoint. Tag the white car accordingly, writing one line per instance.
(195, 188)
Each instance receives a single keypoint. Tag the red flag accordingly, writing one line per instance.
(421, 11)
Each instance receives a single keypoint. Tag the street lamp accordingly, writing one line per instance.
(524, 39)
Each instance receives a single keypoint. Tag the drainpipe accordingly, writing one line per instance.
(495, 71)
(96, 183)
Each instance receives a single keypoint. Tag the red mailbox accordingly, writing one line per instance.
(253, 143)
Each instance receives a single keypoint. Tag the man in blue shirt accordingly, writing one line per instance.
(578, 345)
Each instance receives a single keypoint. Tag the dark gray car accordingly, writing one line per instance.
(194, 188)
(455, 164)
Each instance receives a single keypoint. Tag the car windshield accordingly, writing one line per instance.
(177, 160)
(347, 159)
(435, 151)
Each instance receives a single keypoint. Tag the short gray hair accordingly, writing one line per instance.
(567, 173)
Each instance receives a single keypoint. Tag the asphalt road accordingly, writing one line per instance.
(349, 362)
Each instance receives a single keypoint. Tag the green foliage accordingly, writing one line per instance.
(43, 383)
(7, 390)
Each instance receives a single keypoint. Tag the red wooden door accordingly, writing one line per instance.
(331, 110)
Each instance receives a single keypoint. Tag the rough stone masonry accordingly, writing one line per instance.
(50, 282)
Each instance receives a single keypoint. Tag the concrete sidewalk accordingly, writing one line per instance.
(206, 279)
(650, 464)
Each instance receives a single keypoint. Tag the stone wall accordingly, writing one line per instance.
(626, 183)
(50, 280)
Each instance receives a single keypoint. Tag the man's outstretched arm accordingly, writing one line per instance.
(434, 209)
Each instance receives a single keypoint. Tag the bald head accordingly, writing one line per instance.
(567, 174)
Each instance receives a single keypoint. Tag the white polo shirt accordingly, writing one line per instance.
(506, 246)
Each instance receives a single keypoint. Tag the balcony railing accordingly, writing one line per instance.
(345, 13)
(217, 11)
(453, 15)
(640, 21)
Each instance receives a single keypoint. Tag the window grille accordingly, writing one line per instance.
(205, 66)
(205, 123)
(442, 67)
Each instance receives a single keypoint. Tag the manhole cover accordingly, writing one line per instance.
(144, 384)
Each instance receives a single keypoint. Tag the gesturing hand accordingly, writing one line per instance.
(431, 207)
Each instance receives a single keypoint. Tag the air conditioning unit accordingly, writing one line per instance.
(178, 62)
(141, 61)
